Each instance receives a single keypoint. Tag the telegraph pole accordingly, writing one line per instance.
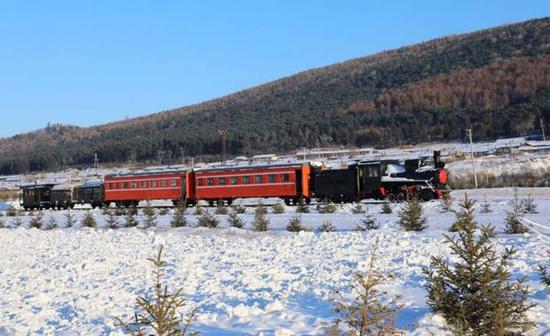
(542, 129)
(469, 130)
(96, 161)
(222, 132)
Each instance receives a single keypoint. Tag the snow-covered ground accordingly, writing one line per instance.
(75, 280)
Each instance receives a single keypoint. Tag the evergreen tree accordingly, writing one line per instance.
(221, 209)
(235, 221)
(529, 205)
(513, 222)
(302, 206)
(446, 201)
(178, 219)
(51, 223)
(208, 220)
(69, 219)
(260, 222)
(327, 227)
(326, 207)
(369, 222)
(16, 222)
(358, 209)
(486, 206)
(238, 209)
(2, 225)
(198, 209)
(36, 220)
(411, 216)
(295, 224)
(370, 312)
(544, 275)
(150, 216)
(278, 208)
(111, 222)
(386, 208)
(88, 220)
(161, 313)
(130, 219)
(475, 295)
(465, 215)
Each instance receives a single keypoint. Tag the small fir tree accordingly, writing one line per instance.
(130, 219)
(36, 220)
(70, 221)
(198, 209)
(386, 208)
(2, 225)
(111, 220)
(411, 217)
(464, 215)
(120, 211)
(150, 216)
(238, 209)
(160, 314)
(369, 222)
(327, 227)
(302, 206)
(164, 211)
(295, 224)
(486, 206)
(260, 222)
(327, 207)
(12, 212)
(446, 201)
(51, 223)
(221, 209)
(208, 220)
(178, 218)
(278, 208)
(235, 221)
(260, 207)
(475, 295)
(16, 222)
(370, 312)
(528, 204)
(358, 209)
(513, 222)
(88, 220)
(544, 275)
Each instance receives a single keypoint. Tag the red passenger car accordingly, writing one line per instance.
(290, 182)
(129, 189)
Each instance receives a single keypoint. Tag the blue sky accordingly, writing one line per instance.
(90, 62)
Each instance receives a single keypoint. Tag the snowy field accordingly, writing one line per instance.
(75, 280)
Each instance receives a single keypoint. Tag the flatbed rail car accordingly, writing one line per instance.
(129, 189)
(291, 182)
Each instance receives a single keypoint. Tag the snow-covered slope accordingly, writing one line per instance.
(74, 281)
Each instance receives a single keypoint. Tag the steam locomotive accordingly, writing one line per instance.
(292, 182)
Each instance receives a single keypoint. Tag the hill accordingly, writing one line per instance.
(496, 81)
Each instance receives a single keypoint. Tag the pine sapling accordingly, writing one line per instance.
(130, 219)
(327, 227)
(160, 312)
(260, 222)
(278, 208)
(295, 224)
(235, 221)
(513, 216)
(221, 209)
(544, 275)
(238, 209)
(208, 220)
(529, 205)
(198, 210)
(302, 206)
(111, 221)
(386, 208)
(36, 220)
(150, 216)
(88, 220)
(370, 311)
(358, 209)
(369, 222)
(70, 221)
(327, 207)
(51, 223)
(486, 207)
(475, 295)
(16, 222)
(411, 217)
(464, 215)
(446, 201)
(2, 225)
(178, 218)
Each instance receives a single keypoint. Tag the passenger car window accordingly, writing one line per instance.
(210, 181)
(234, 180)
(246, 179)
(153, 184)
(258, 179)
(271, 178)
(173, 183)
(163, 183)
(144, 184)
(285, 177)
(221, 181)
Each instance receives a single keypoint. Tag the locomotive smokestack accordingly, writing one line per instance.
(437, 160)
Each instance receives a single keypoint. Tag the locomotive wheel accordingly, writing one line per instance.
(308, 200)
(391, 197)
(401, 197)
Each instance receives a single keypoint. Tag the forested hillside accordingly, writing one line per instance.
(495, 80)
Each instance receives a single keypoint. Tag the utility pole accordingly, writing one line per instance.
(469, 130)
(96, 161)
(160, 153)
(542, 129)
(182, 155)
(222, 132)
